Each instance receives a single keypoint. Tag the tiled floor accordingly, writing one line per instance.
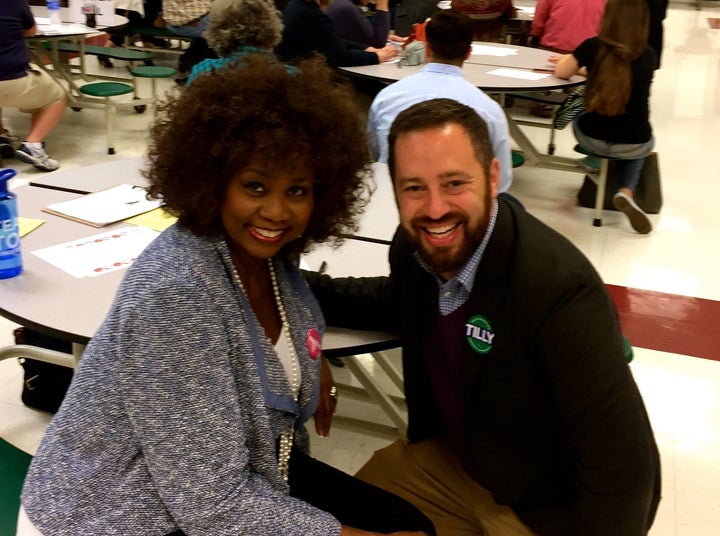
(681, 256)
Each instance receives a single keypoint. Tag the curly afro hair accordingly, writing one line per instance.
(261, 108)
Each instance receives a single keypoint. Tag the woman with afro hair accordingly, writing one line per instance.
(186, 414)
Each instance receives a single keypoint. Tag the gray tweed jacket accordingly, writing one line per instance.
(172, 418)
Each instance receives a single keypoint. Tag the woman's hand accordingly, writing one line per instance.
(384, 54)
(396, 38)
(328, 400)
(565, 65)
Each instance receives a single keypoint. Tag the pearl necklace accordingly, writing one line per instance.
(286, 438)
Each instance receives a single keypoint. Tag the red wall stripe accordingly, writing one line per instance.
(669, 322)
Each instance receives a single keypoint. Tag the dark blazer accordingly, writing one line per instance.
(306, 29)
(556, 426)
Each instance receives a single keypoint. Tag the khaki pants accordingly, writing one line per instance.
(428, 475)
(33, 92)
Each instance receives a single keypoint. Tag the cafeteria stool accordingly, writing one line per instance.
(152, 72)
(551, 98)
(14, 464)
(106, 90)
(517, 159)
(601, 182)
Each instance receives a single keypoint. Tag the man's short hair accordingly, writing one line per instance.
(435, 113)
(449, 33)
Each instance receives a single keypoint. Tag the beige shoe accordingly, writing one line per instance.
(638, 219)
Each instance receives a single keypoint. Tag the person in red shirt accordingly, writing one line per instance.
(561, 25)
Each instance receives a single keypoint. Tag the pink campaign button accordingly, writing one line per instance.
(313, 343)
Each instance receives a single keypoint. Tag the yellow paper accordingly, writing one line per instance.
(27, 225)
(157, 219)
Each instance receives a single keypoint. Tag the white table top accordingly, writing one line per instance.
(93, 178)
(479, 75)
(45, 297)
(512, 56)
(67, 27)
(51, 301)
(378, 222)
(478, 69)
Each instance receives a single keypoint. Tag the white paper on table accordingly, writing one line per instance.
(106, 206)
(519, 73)
(46, 29)
(486, 50)
(67, 28)
(99, 254)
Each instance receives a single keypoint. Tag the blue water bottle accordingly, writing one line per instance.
(53, 7)
(10, 258)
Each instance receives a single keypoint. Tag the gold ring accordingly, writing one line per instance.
(333, 393)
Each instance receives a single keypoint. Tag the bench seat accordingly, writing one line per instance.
(116, 53)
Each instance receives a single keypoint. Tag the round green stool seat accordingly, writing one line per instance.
(106, 89)
(152, 71)
(517, 159)
(582, 150)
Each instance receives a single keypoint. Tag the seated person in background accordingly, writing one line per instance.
(620, 67)
(307, 29)
(26, 86)
(352, 23)
(152, 10)
(489, 16)
(524, 418)
(449, 36)
(409, 12)
(237, 28)
(658, 11)
(561, 25)
(117, 36)
(189, 18)
(186, 414)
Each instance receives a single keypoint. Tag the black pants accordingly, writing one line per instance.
(353, 502)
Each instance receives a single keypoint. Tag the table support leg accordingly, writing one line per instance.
(377, 393)
(534, 158)
(41, 354)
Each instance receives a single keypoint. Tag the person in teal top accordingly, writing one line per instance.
(238, 28)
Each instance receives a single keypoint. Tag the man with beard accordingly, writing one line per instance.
(523, 414)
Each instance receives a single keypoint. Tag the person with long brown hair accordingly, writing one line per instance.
(620, 67)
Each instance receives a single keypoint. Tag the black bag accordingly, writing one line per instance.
(44, 384)
(648, 194)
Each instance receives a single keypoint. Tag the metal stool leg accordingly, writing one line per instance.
(109, 119)
(600, 193)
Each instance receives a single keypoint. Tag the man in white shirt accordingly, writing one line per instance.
(449, 35)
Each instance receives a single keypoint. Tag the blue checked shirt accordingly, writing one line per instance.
(455, 292)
